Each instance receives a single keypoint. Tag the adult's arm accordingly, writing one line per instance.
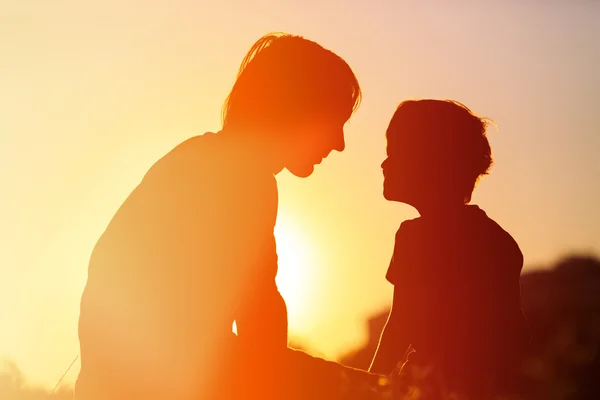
(261, 316)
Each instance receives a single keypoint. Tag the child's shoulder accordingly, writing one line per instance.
(492, 225)
(470, 226)
(408, 228)
(498, 241)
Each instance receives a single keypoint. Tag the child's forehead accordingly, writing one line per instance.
(406, 135)
(419, 131)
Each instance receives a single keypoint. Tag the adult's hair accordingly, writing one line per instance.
(285, 79)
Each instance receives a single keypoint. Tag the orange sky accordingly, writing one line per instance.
(92, 95)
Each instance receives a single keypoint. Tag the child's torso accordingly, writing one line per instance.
(459, 278)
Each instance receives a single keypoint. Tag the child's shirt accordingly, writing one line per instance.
(457, 290)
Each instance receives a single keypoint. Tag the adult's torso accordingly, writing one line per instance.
(176, 260)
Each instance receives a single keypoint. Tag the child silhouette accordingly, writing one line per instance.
(455, 271)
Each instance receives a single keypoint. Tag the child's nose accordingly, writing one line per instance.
(384, 163)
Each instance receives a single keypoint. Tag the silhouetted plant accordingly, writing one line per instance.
(14, 386)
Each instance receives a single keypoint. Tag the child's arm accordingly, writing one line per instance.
(392, 344)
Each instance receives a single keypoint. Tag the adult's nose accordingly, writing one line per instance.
(340, 143)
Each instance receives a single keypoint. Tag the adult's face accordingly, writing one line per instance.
(311, 142)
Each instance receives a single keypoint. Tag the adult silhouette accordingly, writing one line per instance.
(192, 250)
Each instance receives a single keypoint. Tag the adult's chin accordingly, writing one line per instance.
(301, 171)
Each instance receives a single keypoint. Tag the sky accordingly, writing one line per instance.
(93, 93)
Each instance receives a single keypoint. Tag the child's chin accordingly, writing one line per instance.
(389, 194)
(394, 195)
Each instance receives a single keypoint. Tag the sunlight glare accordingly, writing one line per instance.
(293, 277)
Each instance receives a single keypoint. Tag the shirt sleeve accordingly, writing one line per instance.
(394, 269)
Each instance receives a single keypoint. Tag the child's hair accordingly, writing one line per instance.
(284, 79)
(450, 135)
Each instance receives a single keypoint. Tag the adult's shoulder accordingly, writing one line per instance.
(185, 157)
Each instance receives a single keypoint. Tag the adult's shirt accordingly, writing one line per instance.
(187, 250)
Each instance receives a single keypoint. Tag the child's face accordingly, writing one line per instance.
(398, 182)
(408, 171)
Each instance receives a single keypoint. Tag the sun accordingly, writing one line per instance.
(293, 276)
